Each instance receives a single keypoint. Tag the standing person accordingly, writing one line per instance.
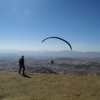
(21, 65)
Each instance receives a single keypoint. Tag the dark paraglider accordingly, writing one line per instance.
(60, 39)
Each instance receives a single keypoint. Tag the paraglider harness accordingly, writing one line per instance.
(52, 62)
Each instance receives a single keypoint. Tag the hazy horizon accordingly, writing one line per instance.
(43, 50)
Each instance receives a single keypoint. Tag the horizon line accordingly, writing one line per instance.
(45, 50)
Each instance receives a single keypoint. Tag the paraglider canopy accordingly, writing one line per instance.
(60, 39)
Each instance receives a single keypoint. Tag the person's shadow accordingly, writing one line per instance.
(26, 76)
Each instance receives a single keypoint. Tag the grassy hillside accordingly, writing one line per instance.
(39, 86)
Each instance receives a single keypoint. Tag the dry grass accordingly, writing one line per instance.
(48, 87)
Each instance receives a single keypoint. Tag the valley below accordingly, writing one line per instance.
(42, 64)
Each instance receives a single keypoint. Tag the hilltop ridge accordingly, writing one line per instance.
(39, 86)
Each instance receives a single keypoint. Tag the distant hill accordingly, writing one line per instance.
(63, 53)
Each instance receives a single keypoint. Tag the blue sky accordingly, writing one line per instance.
(25, 23)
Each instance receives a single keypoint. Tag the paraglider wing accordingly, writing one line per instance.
(60, 39)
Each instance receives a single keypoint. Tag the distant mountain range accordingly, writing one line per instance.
(63, 53)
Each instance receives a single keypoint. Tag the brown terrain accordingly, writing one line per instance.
(66, 79)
